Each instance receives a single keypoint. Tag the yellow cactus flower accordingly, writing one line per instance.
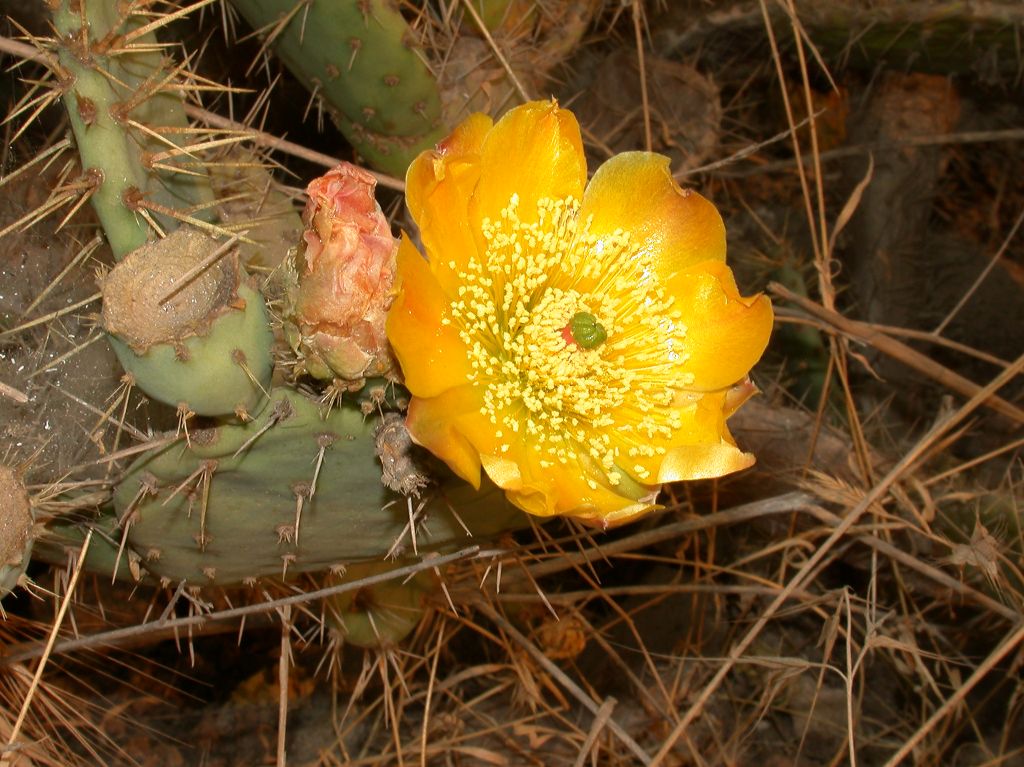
(581, 343)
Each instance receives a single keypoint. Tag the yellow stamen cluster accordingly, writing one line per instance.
(598, 406)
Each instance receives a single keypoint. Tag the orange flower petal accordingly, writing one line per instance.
(676, 228)
(431, 354)
(725, 332)
(439, 185)
(700, 431)
(441, 424)
(688, 462)
(546, 491)
(534, 151)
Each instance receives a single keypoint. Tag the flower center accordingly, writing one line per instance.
(572, 338)
(585, 331)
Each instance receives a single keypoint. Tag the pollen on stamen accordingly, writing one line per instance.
(513, 308)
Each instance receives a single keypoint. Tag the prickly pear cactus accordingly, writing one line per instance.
(262, 480)
(357, 55)
(290, 491)
(128, 123)
(193, 334)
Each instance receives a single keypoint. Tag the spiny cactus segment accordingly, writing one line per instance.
(128, 121)
(187, 327)
(356, 55)
(382, 614)
(287, 492)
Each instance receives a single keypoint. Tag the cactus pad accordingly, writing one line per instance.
(201, 341)
(287, 492)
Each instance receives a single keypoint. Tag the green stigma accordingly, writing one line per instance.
(587, 331)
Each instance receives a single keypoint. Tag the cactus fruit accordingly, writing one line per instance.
(16, 528)
(127, 122)
(342, 277)
(356, 55)
(198, 341)
(287, 492)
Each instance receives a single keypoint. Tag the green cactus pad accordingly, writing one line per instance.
(207, 346)
(382, 614)
(224, 510)
(107, 86)
(356, 55)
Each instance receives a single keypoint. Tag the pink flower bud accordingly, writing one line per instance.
(346, 267)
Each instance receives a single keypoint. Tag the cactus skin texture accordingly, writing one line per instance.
(224, 510)
(106, 83)
(354, 53)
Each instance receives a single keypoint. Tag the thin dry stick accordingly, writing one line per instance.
(825, 256)
(132, 632)
(48, 649)
(496, 50)
(1008, 644)
(80, 256)
(638, 32)
(282, 682)
(600, 720)
(11, 393)
(779, 504)
(981, 277)
(23, 51)
(742, 153)
(940, 428)
(52, 315)
(938, 139)
(281, 145)
(910, 561)
(872, 336)
(816, 246)
(574, 689)
(430, 692)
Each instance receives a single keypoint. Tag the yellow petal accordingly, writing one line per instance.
(688, 462)
(432, 356)
(563, 490)
(725, 332)
(675, 228)
(439, 184)
(534, 151)
(442, 424)
(700, 447)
